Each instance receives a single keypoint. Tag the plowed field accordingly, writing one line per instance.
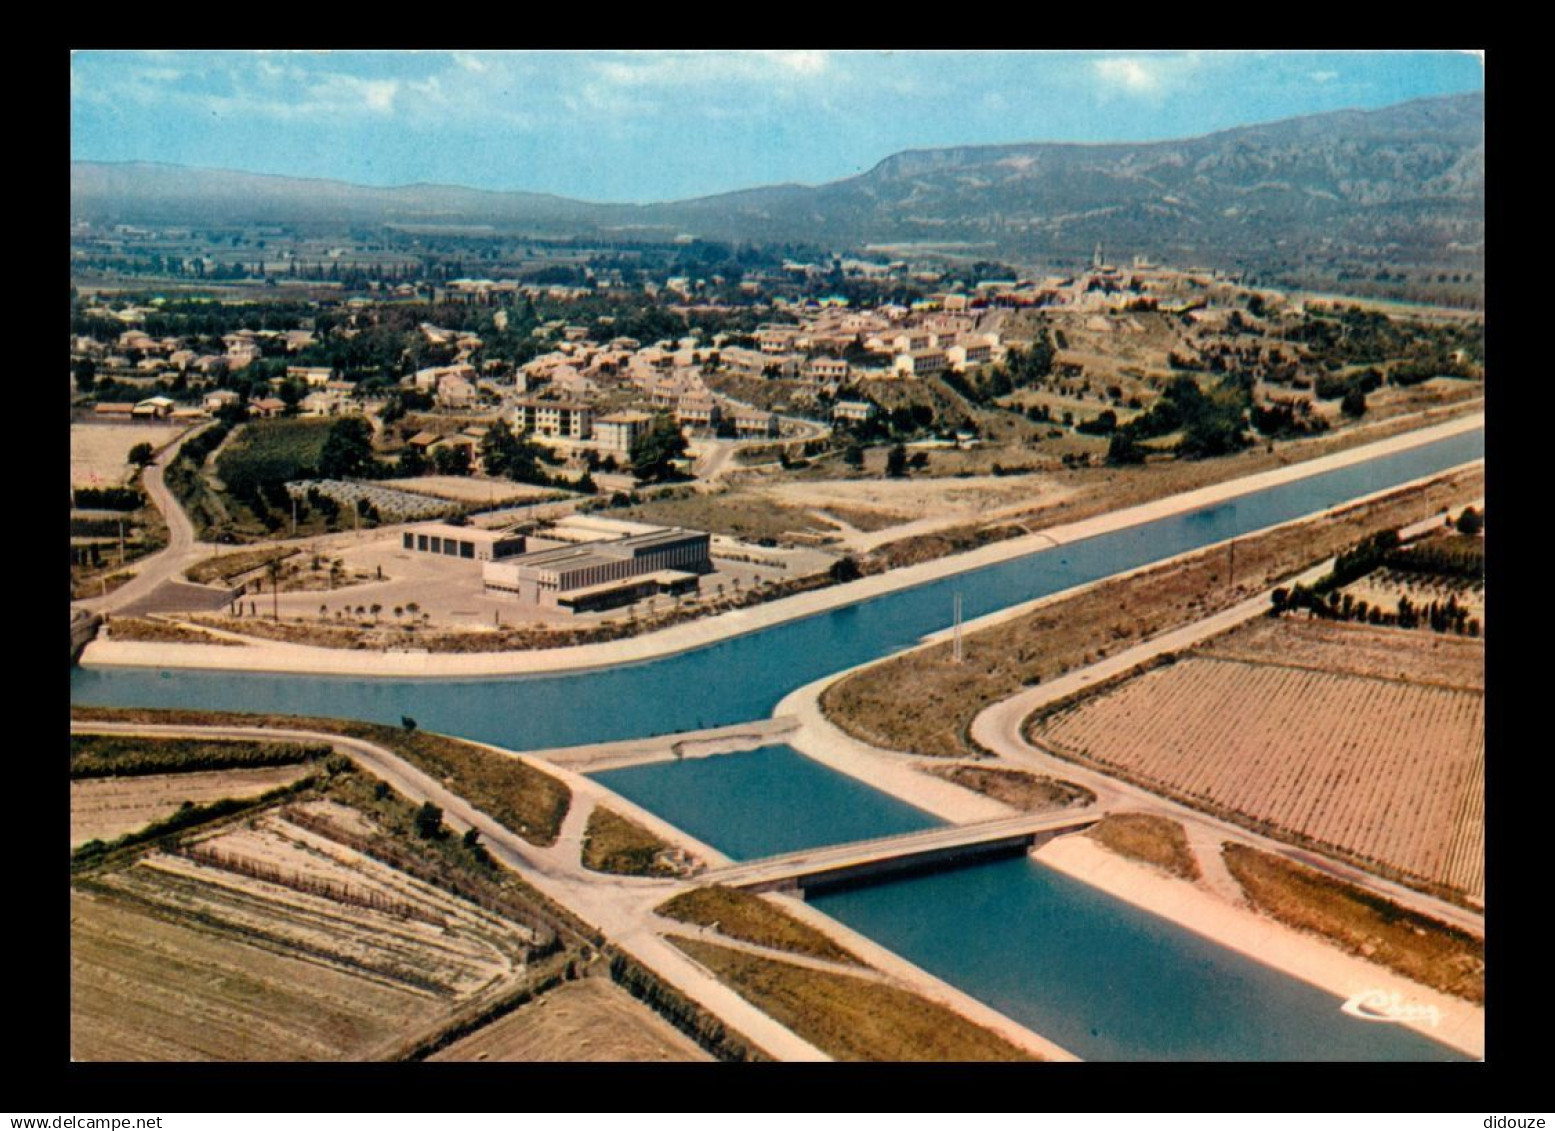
(269, 941)
(1388, 771)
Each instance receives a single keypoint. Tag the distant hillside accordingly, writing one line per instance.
(1402, 183)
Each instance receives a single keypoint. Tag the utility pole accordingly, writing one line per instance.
(957, 650)
(1231, 569)
(294, 516)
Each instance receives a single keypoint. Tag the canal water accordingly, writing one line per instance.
(801, 802)
(745, 677)
(1101, 977)
(1097, 975)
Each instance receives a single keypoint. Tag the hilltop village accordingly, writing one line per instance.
(802, 426)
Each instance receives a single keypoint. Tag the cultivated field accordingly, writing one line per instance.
(1356, 649)
(107, 808)
(99, 453)
(468, 489)
(276, 938)
(922, 702)
(1386, 771)
(143, 987)
(591, 1019)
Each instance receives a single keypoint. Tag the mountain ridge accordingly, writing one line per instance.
(1407, 179)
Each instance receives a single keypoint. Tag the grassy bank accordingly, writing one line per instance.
(852, 1018)
(163, 632)
(1416, 946)
(612, 843)
(1030, 793)
(1153, 840)
(923, 702)
(741, 915)
(111, 755)
(224, 567)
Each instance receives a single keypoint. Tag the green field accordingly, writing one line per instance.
(273, 450)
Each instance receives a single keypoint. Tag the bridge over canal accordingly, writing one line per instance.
(905, 852)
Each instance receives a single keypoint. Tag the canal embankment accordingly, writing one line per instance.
(282, 657)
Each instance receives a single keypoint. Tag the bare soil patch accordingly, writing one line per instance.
(921, 497)
(99, 453)
(739, 514)
(144, 987)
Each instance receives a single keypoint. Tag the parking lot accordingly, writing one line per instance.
(449, 593)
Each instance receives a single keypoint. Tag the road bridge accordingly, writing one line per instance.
(927, 850)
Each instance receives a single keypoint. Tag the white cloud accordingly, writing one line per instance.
(1154, 76)
(380, 94)
(693, 68)
(1137, 76)
(1323, 76)
(802, 62)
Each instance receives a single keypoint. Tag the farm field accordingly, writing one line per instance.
(469, 489)
(920, 703)
(107, 808)
(1384, 771)
(273, 450)
(591, 1019)
(277, 938)
(99, 452)
(146, 988)
(1356, 649)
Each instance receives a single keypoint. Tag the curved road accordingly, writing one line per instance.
(181, 550)
(621, 907)
(1000, 729)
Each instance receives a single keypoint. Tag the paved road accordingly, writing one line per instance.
(181, 549)
(1000, 729)
(621, 907)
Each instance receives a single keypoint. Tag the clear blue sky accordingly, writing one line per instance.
(647, 126)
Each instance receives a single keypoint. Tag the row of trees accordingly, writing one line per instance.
(1439, 616)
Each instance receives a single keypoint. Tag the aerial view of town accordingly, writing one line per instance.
(676, 556)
